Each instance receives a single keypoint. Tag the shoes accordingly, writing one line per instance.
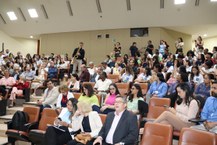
(10, 106)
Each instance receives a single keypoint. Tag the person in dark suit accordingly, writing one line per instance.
(120, 127)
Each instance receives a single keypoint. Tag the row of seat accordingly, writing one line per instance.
(162, 134)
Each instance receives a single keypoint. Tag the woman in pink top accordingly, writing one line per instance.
(110, 99)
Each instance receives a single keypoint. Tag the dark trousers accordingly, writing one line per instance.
(56, 137)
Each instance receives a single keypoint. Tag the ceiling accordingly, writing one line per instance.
(187, 18)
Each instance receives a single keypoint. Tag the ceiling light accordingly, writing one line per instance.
(213, 0)
(178, 2)
(204, 35)
(33, 13)
(31, 36)
(12, 16)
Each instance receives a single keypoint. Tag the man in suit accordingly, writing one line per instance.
(120, 127)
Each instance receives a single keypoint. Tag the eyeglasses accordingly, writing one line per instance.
(118, 102)
(111, 88)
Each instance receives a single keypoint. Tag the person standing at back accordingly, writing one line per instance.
(78, 56)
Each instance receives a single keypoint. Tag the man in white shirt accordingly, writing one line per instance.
(102, 85)
(120, 127)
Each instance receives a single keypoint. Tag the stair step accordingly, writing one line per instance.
(11, 111)
(3, 140)
(35, 98)
(29, 104)
(3, 128)
(5, 118)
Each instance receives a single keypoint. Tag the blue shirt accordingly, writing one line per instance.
(202, 90)
(209, 111)
(159, 89)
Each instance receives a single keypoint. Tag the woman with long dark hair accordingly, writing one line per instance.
(158, 88)
(186, 108)
(134, 97)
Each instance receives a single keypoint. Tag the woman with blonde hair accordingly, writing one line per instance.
(86, 120)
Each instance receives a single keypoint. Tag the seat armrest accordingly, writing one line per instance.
(9, 124)
(197, 120)
(33, 125)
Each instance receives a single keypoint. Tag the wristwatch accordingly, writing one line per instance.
(121, 143)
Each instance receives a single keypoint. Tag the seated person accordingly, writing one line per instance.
(52, 71)
(63, 97)
(18, 89)
(89, 96)
(120, 127)
(209, 112)
(186, 108)
(157, 88)
(134, 97)
(128, 75)
(108, 105)
(28, 74)
(203, 89)
(74, 83)
(64, 120)
(102, 85)
(49, 97)
(85, 75)
(7, 81)
(144, 75)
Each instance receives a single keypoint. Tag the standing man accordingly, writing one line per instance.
(120, 127)
(78, 56)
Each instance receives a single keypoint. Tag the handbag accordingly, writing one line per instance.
(83, 138)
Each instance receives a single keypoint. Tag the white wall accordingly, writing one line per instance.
(18, 44)
(210, 43)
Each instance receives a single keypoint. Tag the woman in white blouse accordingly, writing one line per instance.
(186, 108)
(74, 84)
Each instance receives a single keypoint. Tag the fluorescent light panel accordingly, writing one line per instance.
(33, 13)
(213, 0)
(12, 16)
(178, 2)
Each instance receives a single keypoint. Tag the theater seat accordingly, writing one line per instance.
(157, 134)
(123, 88)
(103, 117)
(191, 136)
(13, 134)
(157, 106)
(48, 116)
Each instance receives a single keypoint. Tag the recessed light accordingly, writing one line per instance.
(31, 36)
(33, 13)
(204, 35)
(12, 16)
(178, 2)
